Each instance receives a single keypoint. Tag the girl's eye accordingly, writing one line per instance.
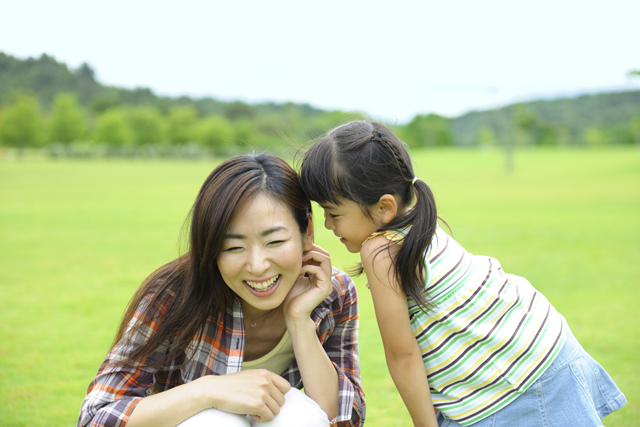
(233, 249)
(332, 216)
(275, 243)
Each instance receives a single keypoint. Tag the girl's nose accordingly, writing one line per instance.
(328, 223)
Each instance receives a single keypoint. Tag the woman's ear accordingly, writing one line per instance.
(308, 236)
(386, 208)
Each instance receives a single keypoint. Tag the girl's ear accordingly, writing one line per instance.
(386, 208)
(308, 236)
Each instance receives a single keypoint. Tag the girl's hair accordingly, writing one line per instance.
(191, 285)
(361, 161)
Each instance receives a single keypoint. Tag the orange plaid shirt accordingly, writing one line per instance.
(115, 391)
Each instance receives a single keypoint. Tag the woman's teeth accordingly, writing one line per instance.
(263, 286)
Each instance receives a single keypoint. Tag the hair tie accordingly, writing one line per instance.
(415, 178)
(376, 134)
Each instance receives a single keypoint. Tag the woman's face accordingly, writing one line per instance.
(262, 252)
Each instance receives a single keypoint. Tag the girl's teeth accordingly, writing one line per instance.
(263, 286)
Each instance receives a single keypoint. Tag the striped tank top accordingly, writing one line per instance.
(489, 336)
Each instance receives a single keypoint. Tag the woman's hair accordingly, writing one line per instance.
(361, 161)
(192, 284)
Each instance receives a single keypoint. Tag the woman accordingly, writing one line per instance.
(226, 330)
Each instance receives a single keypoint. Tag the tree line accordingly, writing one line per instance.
(68, 129)
(44, 104)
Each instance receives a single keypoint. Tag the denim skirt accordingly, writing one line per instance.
(574, 391)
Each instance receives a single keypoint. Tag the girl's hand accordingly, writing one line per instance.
(257, 392)
(308, 292)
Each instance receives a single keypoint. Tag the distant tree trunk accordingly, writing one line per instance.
(509, 161)
(508, 142)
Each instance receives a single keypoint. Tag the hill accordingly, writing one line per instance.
(45, 78)
(41, 99)
(572, 117)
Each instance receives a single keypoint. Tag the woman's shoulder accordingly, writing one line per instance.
(161, 285)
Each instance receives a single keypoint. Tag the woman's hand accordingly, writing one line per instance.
(309, 291)
(316, 369)
(257, 392)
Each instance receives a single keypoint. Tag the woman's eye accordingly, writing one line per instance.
(233, 249)
(275, 242)
(332, 216)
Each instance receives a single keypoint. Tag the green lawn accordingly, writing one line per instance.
(78, 237)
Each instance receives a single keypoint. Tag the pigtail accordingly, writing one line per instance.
(410, 258)
(421, 219)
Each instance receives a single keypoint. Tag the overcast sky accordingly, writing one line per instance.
(389, 59)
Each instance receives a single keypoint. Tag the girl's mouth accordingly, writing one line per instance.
(263, 288)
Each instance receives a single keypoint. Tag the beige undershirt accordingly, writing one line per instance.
(277, 360)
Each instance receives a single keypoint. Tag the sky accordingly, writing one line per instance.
(388, 59)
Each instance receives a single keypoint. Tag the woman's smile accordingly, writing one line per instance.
(263, 288)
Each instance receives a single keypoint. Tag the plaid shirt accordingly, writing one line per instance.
(115, 391)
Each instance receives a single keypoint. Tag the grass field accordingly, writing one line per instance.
(78, 237)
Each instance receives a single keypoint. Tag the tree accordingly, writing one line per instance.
(214, 132)
(429, 130)
(243, 131)
(112, 128)
(596, 137)
(86, 86)
(20, 123)
(536, 131)
(67, 120)
(486, 137)
(181, 124)
(526, 122)
(239, 110)
(146, 125)
(105, 100)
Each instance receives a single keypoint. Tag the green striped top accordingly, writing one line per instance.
(490, 335)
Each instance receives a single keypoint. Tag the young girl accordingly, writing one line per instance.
(228, 333)
(495, 351)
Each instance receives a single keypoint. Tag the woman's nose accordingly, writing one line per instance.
(257, 263)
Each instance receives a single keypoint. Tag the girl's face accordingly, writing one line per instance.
(262, 252)
(349, 223)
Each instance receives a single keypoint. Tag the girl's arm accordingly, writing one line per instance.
(403, 355)
(319, 377)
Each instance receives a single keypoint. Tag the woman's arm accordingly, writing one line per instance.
(256, 392)
(404, 358)
(338, 331)
(319, 377)
(118, 394)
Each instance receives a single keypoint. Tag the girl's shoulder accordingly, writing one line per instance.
(395, 236)
(380, 246)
